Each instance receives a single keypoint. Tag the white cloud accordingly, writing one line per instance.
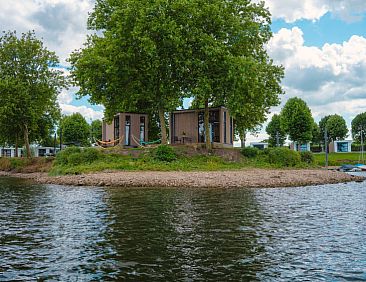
(291, 11)
(88, 113)
(331, 78)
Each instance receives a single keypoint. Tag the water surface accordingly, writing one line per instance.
(61, 233)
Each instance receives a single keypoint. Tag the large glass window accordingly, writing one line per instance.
(214, 123)
(224, 127)
(128, 130)
(303, 147)
(342, 147)
(116, 127)
(142, 129)
(6, 153)
(41, 152)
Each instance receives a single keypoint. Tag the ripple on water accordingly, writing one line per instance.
(89, 233)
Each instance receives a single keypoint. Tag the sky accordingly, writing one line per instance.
(321, 44)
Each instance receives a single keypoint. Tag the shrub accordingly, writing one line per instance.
(283, 157)
(307, 157)
(249, 152)
(75, 159)
(164, 153)
(90, 155)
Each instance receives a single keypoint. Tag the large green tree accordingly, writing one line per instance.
(336, 127)
(358, 126)
(29, 85)
(75, 130)
(139, 59)
(154, 53)
(297, 120)
(277, 135)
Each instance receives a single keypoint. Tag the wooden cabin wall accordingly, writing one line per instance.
(186, 122)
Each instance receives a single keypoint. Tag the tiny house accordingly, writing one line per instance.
(9, 152)
(126, 129)
(187, 127)
(303, 147)
(341, 146)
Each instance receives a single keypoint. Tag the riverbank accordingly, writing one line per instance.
(246, 178)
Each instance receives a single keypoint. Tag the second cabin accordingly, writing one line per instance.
(187, 126)
(127, 129)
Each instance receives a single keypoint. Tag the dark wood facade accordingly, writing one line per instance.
(128, 129)
(187, 126)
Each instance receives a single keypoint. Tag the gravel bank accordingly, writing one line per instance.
(249, 178)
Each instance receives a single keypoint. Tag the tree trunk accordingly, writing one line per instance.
(16, 147)
(207, 127)
(242, 136)
(26, 141)
(162, 126)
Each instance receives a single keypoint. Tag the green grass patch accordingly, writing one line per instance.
(337, 159)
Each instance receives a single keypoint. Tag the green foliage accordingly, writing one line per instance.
(75, 130)
(307, 157)
(317, 136)
(75, 156)
(284, 157)
(249, 152)
(152, 54)
(358, 125)
(275, 131)
(96, 130)
(336, 127)
(297, 120)
(29, 86)
(164, 153)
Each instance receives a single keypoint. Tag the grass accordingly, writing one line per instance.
(337, 159)
(26, 165)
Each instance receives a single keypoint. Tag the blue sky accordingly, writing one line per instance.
(321, 44)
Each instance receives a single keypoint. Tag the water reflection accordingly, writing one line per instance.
(89, 233)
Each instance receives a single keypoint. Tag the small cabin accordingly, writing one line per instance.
(259, 145)
(45, 151)
(126, 129)
(9, 152)
(187, 127)
(341, 146)
(303, 147)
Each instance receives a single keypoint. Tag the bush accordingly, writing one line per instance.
(249, 152)
(307, 157)
(284, 157)
(164, 153)
(76, 156)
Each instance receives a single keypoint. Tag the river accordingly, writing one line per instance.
(61, 233)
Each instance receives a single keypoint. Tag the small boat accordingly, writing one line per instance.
(361, 166)
(349, 168)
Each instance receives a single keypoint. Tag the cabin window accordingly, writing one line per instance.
(6, 152)
(142, 129)
(128, 130)
(231, 130)
(214, 126)
(225, 127)
(41, 152)
(116, 127)
(303, 147)
(342, 147)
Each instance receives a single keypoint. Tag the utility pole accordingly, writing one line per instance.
(277, 139)
(326, 146)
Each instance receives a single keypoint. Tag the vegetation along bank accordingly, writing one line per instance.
(183, 166)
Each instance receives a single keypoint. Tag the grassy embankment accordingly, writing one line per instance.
(337, 159)
(76, 161)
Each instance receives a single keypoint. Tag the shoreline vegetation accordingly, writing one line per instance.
(181, 166)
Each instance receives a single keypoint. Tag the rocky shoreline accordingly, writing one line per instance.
(246, 178)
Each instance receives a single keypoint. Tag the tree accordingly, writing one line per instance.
(96, 130)
(75, 130)
(277, 134)
(297, 120)
(230, 65)
(336, 127)
(317, 137)
(29, 86)
(358, 126)
(138, 60)
(155, 53)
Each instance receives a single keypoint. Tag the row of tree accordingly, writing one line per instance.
(296, 123)
(146, 56)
